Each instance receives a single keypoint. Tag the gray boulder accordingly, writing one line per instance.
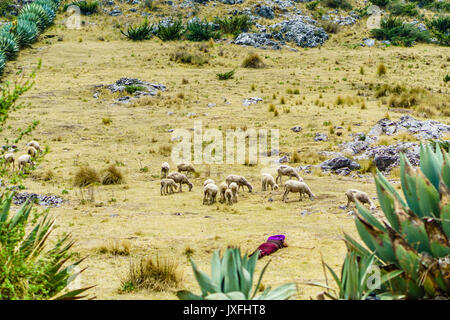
(338, 163)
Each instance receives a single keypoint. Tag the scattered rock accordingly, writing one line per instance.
(42, 200)
(296, 129)
(251, 101)
(338, 163)
(321, 137)
(264, 11)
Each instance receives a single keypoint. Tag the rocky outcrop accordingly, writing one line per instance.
(339, 163)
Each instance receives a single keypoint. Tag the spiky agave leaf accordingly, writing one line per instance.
(33, 17)
(49, 3)
(26, 32)
(2, 62)
(44, 16)
(9, 45)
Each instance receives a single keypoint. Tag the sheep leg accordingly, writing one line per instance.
(285, 195)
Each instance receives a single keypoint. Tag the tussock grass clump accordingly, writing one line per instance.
(254, 61)
(116, 248)
(183, 56)
(154, 274)
(295, 157)
(86, 176)
(381, 70)
(165, 149)
(330, 27)
(112, 175)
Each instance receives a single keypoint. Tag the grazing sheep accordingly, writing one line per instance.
(181, 179)
(361, 196)
(284, 170)
(32, 152)
(234, 188)
(297, 186)
(208, 181)
(165, 167)
(167, 186)
(240, 181)
(210, 193)
(185, 166)
(23, 160)
(35, 145)
(222, 188)
(229, 198)
(267, 180)
(9, 158)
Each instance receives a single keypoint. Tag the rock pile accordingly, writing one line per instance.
(42, 200)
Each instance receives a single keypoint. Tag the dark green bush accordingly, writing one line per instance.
(201, 31)
(399, 33)
(86, 7)
(173, 31)
(337, 4)
(226, 75)
(398, 8)
(440, 28)
(140, 32)
(234, 25)
(380, 3)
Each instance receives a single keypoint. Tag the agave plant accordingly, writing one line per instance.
(415, 238)
(27, 269)
(50, 3)
(45, 17)
(353, 283)
(2, 62)
(140, 32)
(172, 31)
(25, 31)
(8, 45)
(232, 279)
(201, 31)
(32, 17)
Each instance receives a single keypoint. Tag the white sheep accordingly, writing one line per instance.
(208, 181)
(229, 198)
(210, 193)
(297, 186)
(234, 189)
(285, 170)
(23, 160)
(181, 179)
(353, 194)
(167, 186)
(165, 167)
(185, 166)
(240, 181)
(9, 158)
(32, 152)
(35, 145)
(267, 180)
(222, 188)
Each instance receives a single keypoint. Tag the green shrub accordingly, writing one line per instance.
(4, 5)
(173, 31)
(29, 270)
(399, 33)
(440, 28)
(380, 3)
(86, 7)
(337, 4)
(232, 279)
(312, 5)
(234, 25)
(133, 88)
(140, 32)
(446, 77)
(226, 75)
(201, 31)
(398, 8)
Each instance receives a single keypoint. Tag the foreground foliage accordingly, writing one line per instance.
(415, 238)
(27, 269)
(232, 279)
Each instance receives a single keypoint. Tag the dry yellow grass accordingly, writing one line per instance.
(137, 136)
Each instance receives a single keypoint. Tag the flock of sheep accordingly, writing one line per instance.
(33, 149)
(229, 189)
